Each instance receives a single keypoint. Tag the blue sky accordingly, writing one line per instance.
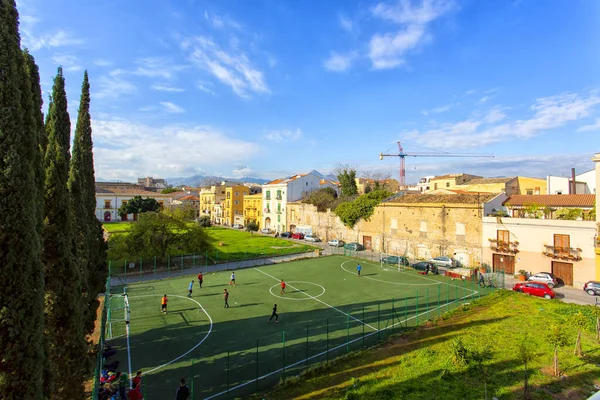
(272, 88)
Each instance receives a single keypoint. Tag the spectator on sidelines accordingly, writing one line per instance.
(183, 393)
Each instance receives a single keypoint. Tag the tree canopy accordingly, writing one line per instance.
(347, 179)
(138, 205)
(360, 208)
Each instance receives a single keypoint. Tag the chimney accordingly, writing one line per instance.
(573, 183)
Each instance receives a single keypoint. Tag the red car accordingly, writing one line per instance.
(535, 289)
(298, 235)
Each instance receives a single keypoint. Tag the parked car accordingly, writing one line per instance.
(238, 226)
(544, 277)
(298, 235)
(422, 266)
(285, 234)
(354, 246)
(395, 260)
(592, 288)
(336, 243)
(443, 261)
(311, 238)
(266, 230)
(535, 289)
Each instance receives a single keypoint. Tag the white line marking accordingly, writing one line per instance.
(288, 284)
(325, 352)
(127, 332)
(321, 301)
(193, 348)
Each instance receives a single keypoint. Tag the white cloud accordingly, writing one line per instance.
(485, 99)
(171, 107)
(470, 92)
(442, 109)
(548, 113)
(203, 86)
(69, 63)
(113, 86)
(284, 135)
(154, 67)
(346, 24)
(340, 62)
(59, 38)
(388, 50)
(232, 68)
(163, 88)
(163, 150)
(590, 128)
(240, 171)
(222, 21)
(103, 63)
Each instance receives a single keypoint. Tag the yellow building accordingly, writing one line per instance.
(233, 205)
(450, 181)
(472, 183)
(252, 209)
(209, 197)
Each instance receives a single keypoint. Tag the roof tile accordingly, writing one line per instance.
(552, 200)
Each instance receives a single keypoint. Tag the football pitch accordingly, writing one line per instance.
(326, 311)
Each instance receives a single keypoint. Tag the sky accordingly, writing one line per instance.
(272, 88)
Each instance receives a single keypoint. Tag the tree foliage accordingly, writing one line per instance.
(21, 281)
(138, 205)
(557, 338)
(170, 190)
(252, 226)
(360, 208)
(156, 235)
(323, 199)
(526, 355)
(570, 214)
(64, 306)
(579, 321)
(347, 179)
(204, 221)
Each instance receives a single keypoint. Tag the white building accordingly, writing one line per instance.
(276, 194)
(585, 183)
(424, 185)
(110, 197)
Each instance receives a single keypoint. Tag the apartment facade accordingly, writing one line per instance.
(276, 194)
(390, 185)
(546, 206)
(253, 209)
(564, 248)
(224, 202)
(111, 196)
(233, 205)
(585, 183)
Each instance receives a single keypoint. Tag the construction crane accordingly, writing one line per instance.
(402, 155)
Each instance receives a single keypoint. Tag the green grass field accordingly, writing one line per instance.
(326, 312)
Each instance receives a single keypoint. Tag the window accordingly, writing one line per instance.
(529, 191)
(434, 186)
(447, 184)
(559, 192)
(107, 204)
(394, 226)
(279, 218)
(268, 197)
(503, 236)
(237, 212)
(237, 193)
(228, 195)
(279, 195)
(161, 204)
(537, 190)
(423, 230)
(306, 183)
(562, 243)
(460, 233)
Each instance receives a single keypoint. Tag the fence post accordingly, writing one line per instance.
(327, 340)
(427, 299)
(182, 261)
(192, 379)
(465, 296)
(227, 370)
(439, 293)
(168, 265)
(154, 267)
(406, 310)
(378, 329)
(417, 308)
(306, 348)
(347, 333)
(363, 326)
(141, 261)
(393, 314)
(283, 354)
(456, 293)
(447, 298)
(206, 262)
(125, 268)
(257, 365)
(194, 261)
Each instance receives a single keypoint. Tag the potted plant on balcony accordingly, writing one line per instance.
(522, 275)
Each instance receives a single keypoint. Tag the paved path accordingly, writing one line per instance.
(568, 294)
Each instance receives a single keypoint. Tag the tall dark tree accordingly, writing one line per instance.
(347, 179)
(64, 323)
(21, 281)
(88, 239)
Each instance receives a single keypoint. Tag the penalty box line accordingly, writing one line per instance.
(322, 353)
(320, 301)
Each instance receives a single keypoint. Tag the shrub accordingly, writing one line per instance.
(204, 221)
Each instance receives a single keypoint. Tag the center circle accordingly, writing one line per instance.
(289, 284)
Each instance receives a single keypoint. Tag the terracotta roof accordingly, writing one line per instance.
(448, 176)
(444, 198)
(483, 181)
(276, 181)
(553, 200)
(455, 191)
(133, 192)
(189, 197)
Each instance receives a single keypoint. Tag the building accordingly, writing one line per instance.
(449, 181)
(473, 183)
(188, 198)
(548, 206)
(253, 209)
(390, 185)
(564, 248)
(223, 202)
(424, 184)
(150, 183)
(111, 195)
(585, 184)
(276, 194)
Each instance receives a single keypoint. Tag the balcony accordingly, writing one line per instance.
(278, 197)
(279, 211)
(268, 198)
(564, 253)
(501, 246)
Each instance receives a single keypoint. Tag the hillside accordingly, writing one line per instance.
(418, 365)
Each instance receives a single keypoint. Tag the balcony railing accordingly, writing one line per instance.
(565, 253)
(504, 247)
(279, 197)
(268, 198)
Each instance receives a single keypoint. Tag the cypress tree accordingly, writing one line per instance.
(21, 281)
(81, 185)
(64, 324)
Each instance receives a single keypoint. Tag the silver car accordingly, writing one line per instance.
(311, 238)
(544, 277)
(443, 261)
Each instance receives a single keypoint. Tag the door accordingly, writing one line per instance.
(367, 242)
(124, 217)
(502, 262)
(106, 216)
(563, 271)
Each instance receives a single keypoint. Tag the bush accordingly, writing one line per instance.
(204, 221)
(361, 208)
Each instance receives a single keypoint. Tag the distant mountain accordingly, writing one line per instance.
(330, 177)
(204, 180)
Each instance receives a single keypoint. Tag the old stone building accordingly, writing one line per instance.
(417, 225)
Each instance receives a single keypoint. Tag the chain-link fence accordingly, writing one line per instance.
(101, 341)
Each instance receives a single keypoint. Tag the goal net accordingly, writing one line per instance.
(393, 262)
(118, 314)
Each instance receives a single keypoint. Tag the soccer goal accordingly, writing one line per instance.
(393, 262)
(119, 306)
